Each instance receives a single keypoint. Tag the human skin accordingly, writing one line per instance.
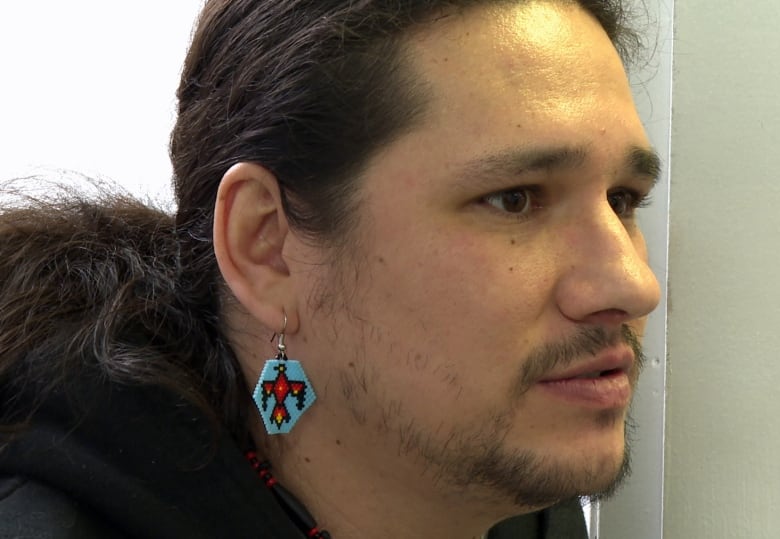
(429, 344)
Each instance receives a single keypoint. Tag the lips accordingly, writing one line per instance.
(608, 361)
(602, 382)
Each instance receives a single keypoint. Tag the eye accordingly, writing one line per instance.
(625, 201)
(517, 200)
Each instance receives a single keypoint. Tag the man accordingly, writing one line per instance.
(458, 270)
(467, 349)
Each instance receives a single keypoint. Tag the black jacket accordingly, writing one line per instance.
(140, 463)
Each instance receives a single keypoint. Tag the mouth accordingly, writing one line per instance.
(597, 374)
(603, 383)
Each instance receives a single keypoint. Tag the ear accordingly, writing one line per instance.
(250, 229)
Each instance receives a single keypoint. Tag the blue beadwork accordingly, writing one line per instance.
(282, 394)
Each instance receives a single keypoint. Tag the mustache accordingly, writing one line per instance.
(586, 342)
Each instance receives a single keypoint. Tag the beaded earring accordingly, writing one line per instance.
(283, 392)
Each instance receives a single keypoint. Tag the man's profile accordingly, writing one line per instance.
(402, 295)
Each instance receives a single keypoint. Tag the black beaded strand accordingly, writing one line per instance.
(294, 508)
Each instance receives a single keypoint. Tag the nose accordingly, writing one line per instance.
(605, 278)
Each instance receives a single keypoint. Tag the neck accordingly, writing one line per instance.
(353, 497)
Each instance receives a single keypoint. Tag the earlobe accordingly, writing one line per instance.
(250, 230)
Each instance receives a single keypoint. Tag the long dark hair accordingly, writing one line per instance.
(308, 88)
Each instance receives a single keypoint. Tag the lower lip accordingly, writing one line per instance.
(610, 391)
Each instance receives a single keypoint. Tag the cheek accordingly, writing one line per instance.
(444, 320)
(467, 291)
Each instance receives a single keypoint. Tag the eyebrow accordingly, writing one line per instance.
(644, 162)
(638, 161)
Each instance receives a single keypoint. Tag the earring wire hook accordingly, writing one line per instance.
(280, 345)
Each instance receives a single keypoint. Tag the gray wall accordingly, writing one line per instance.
(637, 511)
(722, 475)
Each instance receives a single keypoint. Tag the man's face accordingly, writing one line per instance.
(499, 263)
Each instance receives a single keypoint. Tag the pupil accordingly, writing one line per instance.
(515, 200)
(618, 204)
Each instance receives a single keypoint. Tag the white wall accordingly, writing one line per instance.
(89, 86)
(723, 415)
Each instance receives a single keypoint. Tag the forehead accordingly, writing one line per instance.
(544, 60)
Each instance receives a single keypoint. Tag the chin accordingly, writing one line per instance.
(611, 481)
(596, 461)
(610, 462)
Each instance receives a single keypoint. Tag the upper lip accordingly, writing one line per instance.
(612, 359)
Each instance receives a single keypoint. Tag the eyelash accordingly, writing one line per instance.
(636, 200)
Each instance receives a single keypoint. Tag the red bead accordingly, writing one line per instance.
(295, 509)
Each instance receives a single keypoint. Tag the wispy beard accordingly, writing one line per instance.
(480, 464)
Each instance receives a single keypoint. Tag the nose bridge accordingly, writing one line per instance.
(607, 269)
(609, 236)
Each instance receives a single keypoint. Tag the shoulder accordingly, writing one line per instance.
(31, 510)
